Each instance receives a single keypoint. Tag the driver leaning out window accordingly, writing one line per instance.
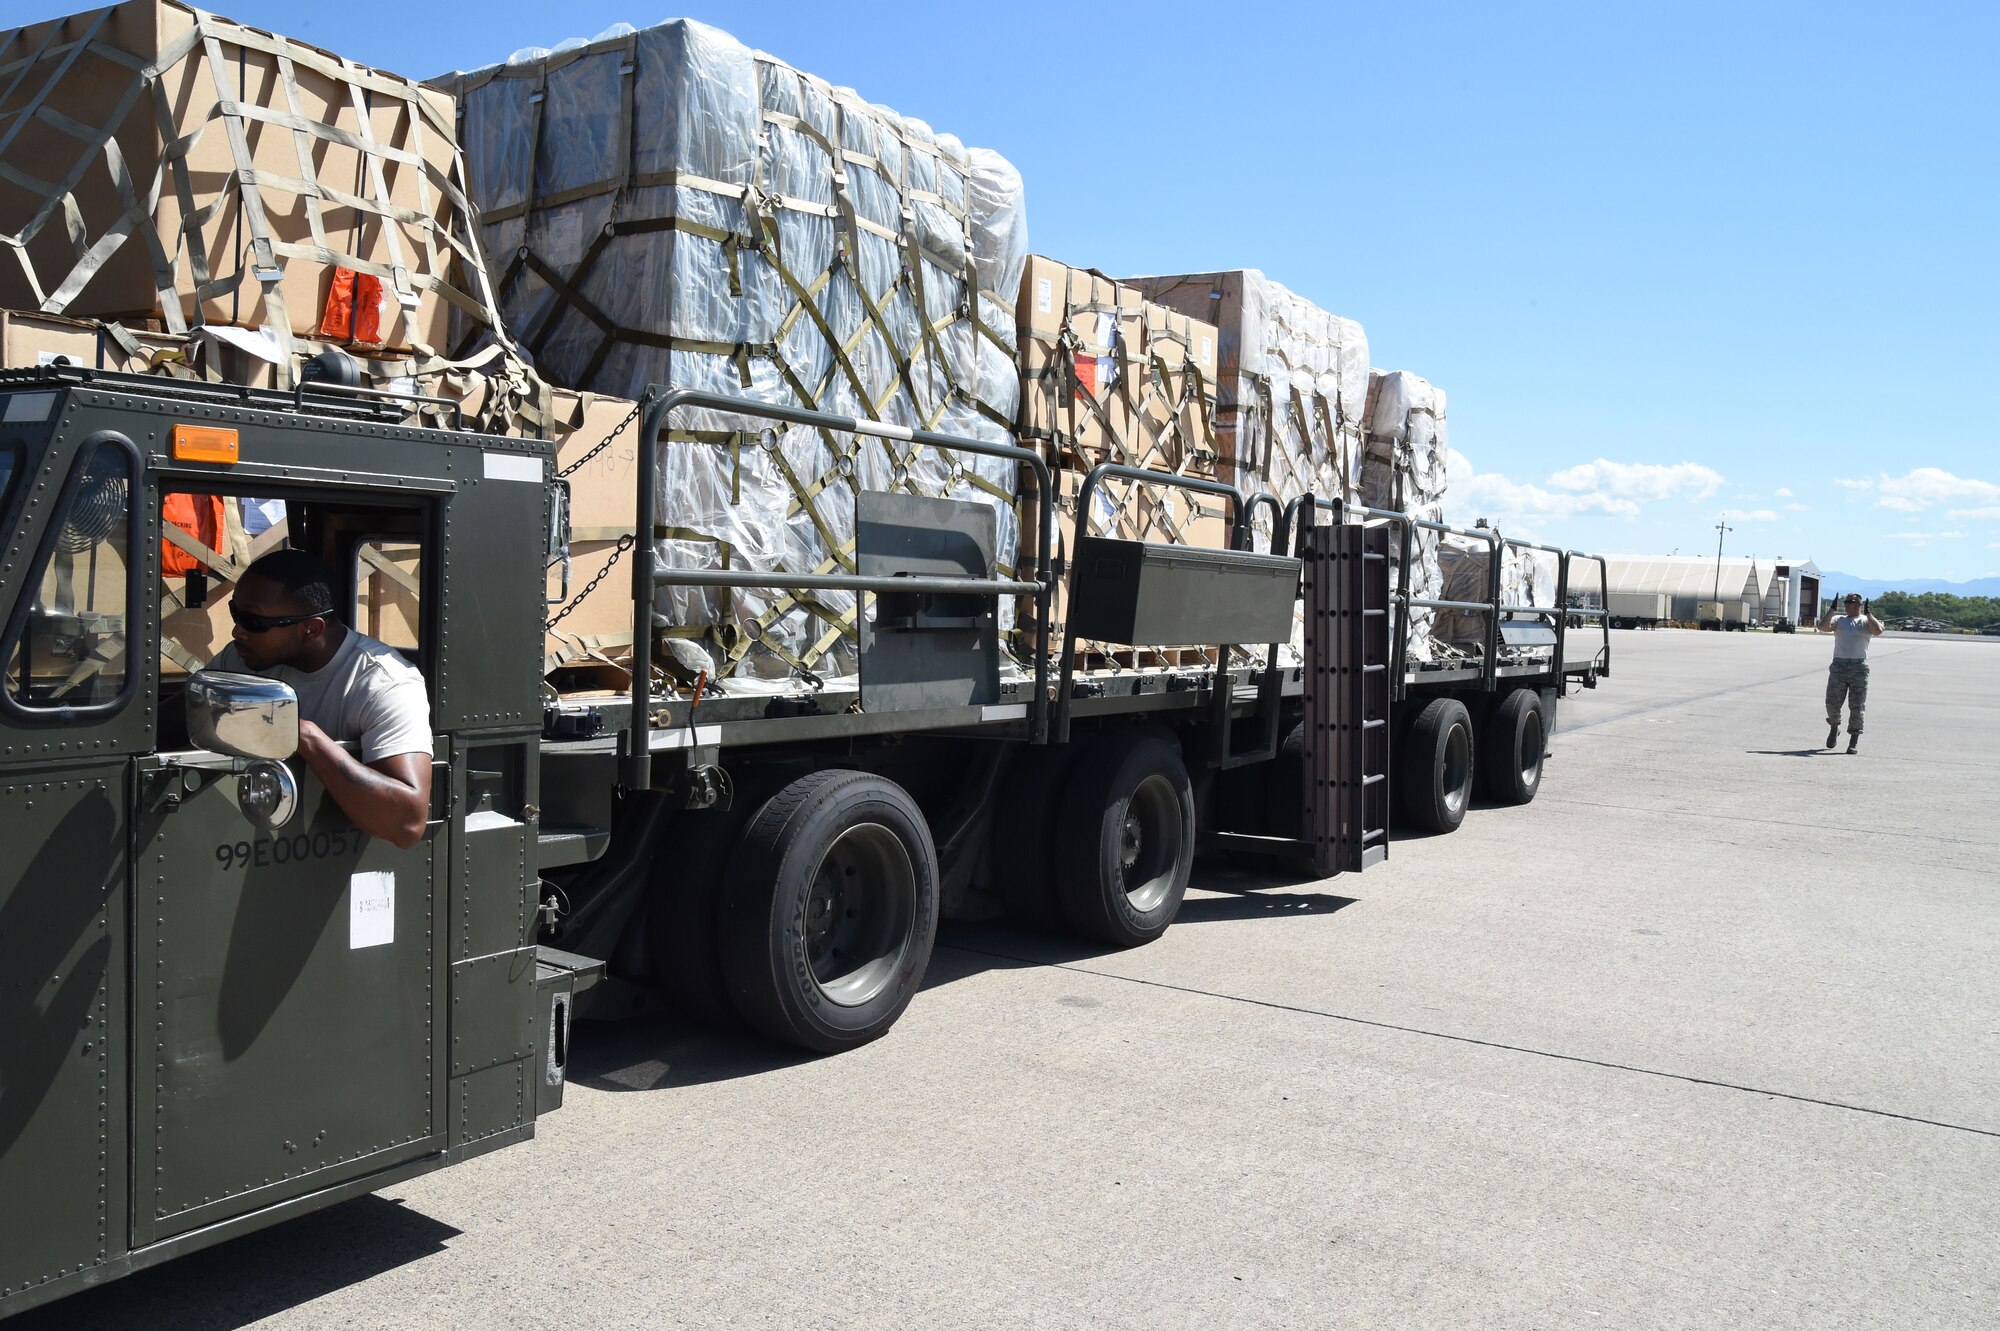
(351, 688)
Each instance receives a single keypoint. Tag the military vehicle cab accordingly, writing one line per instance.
(219, 1000)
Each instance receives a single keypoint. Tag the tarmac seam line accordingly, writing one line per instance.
(1688, 1078)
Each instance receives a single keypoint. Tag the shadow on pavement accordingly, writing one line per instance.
(657, 1053)
(1791, 753)
(1238, 905)
(663, 1051)
(246, 1280)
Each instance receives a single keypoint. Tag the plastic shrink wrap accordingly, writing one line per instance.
(174, 170)
(1291, 382)
(1403, 471)
(666, 206)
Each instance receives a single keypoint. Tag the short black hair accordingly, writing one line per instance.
(305, 579)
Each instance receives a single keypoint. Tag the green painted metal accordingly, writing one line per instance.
(272, 1055)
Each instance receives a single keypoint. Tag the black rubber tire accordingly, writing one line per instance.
(808, 850)
(1510, 752)
(1437, 766)
(1129, 805)
(1023, 845)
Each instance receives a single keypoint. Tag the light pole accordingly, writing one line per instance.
(1720, 528)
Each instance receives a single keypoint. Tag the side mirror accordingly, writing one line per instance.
(248, 716)
(244, 716)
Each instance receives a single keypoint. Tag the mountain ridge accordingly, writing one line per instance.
(1838, 584)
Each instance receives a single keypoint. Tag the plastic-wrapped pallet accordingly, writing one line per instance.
(1403, 471)
(160, 165)
(1527, 578)
(1292, 382)
(667, 206)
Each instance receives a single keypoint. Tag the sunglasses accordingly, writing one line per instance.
(265, 623)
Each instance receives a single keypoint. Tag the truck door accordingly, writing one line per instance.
(287, 1010)
(71, 648)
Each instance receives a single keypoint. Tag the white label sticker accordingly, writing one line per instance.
(1045, 295)
(1207, 350)
(564, 238)
(30, 407)
(513, 467)
(371, 912)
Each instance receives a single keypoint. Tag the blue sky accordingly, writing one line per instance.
(1671, 262)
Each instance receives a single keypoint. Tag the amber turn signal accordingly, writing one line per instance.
(204, 443)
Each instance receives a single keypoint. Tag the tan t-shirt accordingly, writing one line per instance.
(367, 694)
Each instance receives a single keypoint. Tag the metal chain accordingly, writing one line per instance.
(603, 443)
(625, 543)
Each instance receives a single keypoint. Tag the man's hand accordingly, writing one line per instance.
(389, 798)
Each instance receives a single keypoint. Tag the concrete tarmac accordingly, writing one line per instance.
(1707, 1036)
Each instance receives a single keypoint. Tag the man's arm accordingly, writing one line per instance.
(1869, 622)
(389, 798)
(1825, 624)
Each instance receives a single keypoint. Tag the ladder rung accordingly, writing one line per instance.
(1375, 780)
(1372, 834)
(1373, 669)
(1373, 725)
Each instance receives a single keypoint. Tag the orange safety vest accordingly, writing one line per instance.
(200, 516)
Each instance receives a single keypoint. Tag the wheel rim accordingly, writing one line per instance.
(1149, 843)
(860, 914)
(1531, 748)
(1457, 768)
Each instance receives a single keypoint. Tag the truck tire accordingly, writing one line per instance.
(1437, 766)
(829, 911)
(1024, 836)
(1510, 752)
(1125, 840)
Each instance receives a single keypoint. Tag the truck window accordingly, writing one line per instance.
(10, 466)
(205, 541)
(388, 583)
(66, 644)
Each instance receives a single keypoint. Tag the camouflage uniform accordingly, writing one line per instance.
(1848, 678)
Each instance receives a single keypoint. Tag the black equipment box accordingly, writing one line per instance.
(1142, 593)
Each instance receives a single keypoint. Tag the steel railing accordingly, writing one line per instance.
(658, 404)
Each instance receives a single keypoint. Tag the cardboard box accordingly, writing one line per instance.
(1104, 373)
(28, 341)
(251, 165)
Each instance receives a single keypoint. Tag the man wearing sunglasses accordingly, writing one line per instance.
(351, 688)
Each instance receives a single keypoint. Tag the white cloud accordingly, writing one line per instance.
(1988, 513)
(1924, 537)
(1640, 480)
(1798, 508)
(1916, 490)
(1518, 507)
(1784, 492)
(1748, 515)
(1495, 496)
(1862, 484)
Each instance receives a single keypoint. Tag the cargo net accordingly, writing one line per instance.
(667, 207)
(1150, 408)
(220, 226)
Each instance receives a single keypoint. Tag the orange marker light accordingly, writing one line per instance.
(204, 443)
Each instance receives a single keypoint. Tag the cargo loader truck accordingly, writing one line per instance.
(222, 1005)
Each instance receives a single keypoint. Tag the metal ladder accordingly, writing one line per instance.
(1346, 737)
